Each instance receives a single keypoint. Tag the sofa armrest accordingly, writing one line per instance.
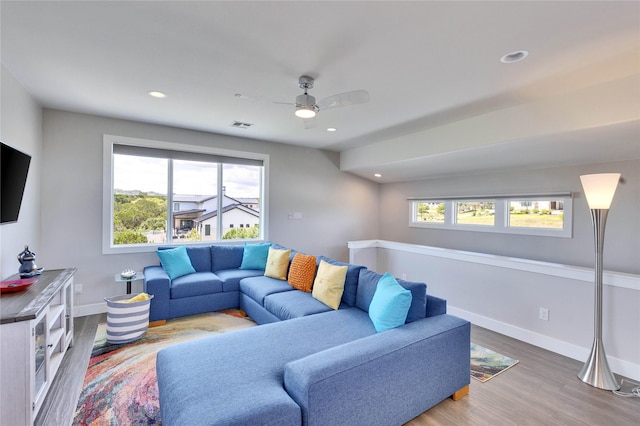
(436, 306)
(157, 282)
(386, 378)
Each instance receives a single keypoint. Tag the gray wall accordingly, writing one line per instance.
(622, 239)
(336, 207)
(21, 128)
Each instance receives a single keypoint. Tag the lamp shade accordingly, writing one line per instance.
(599, 189)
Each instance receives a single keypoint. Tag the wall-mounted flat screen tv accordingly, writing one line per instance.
(14, 166)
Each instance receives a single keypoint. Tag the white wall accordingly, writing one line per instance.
(622, 239)
(21, 128)
(335, 206)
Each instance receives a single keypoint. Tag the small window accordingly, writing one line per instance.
(429, 211)
(207, 230)
(544, 214)
(475, 213)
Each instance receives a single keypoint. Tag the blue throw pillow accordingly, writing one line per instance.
(175, 262)
(390, 304)
(255, 256)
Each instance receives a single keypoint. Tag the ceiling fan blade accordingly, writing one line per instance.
(283, 103)
(344, 99)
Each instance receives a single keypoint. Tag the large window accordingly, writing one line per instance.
(547, 214)
(208, 190)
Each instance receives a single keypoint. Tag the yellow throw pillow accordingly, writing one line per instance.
(302, 272)
(277, 263)
(329, 284)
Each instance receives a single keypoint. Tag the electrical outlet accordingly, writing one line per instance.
(404, 276)
(78, 288)
(544, 314)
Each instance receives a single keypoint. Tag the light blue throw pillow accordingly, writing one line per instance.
(390, 304)
(255, 256)
(175, 262)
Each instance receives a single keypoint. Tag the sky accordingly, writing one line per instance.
(190, 178)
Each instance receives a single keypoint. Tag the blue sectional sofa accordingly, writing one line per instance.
(307, 363)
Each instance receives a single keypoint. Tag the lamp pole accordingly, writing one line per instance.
(599, 190)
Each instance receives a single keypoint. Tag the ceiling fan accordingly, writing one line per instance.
(306, 106)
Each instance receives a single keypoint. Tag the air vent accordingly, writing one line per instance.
(241, 125)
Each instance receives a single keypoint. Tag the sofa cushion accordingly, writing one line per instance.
(231, 277)
(277, 263)
(390, 304)
(302, 272)
(195, 284)
(279, 247)
(329, 284)
(350, 282)
(175, 261)
(257, 288)
(200, 258)
(226, 257)
(368, 283)
(255, 256)
(293, 304)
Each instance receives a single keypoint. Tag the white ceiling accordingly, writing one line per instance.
(441, 100)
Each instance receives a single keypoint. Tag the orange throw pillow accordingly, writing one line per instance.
(302, 272)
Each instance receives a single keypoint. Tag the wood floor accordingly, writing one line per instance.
(542, 389)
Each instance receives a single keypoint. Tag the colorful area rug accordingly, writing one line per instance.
(486, 363)
(120, 386)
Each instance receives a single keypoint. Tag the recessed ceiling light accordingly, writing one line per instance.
(331, 129)
(378, 175)
(512, 57)
(157, 94)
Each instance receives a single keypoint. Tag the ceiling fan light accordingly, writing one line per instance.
(304, 112)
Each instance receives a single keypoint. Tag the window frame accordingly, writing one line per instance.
(501, 219)
(108, 180)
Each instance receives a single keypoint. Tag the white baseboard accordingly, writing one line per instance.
(619, 366)
(85, 310)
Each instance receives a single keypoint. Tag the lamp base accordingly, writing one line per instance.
(596, 371)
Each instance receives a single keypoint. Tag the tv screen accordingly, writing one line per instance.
(14, 166)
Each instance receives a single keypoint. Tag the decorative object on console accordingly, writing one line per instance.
(27, 261)
(599, 190)
(11, 286)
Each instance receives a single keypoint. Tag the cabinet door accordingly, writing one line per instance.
(68, 290)
(40, 348)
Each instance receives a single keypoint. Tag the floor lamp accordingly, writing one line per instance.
(599, 190)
